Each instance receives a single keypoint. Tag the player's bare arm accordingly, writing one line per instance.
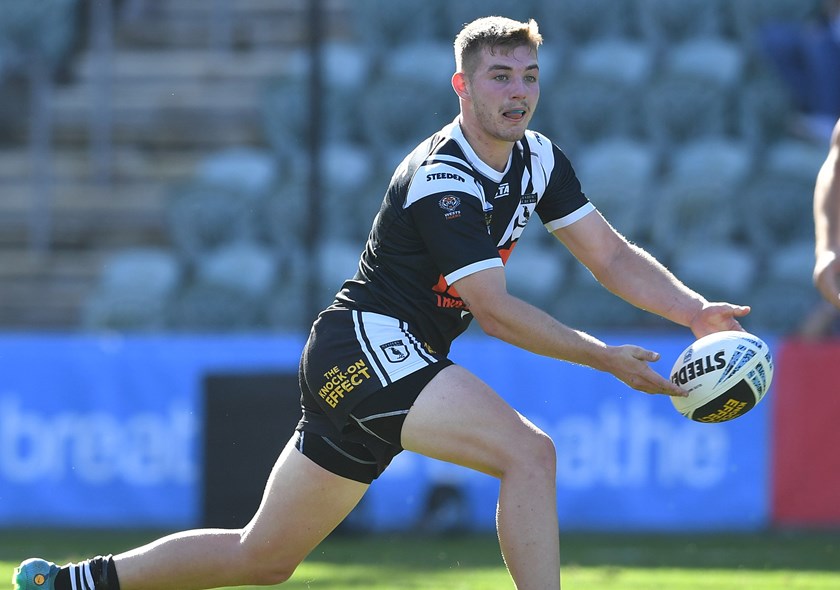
(827, 223)
(517, 322)
(638, 278)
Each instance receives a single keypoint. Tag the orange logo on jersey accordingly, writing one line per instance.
(448, 297)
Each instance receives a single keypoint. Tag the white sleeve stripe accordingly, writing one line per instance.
(473, 268)
(570, 218)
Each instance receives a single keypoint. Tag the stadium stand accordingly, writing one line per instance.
(698, 194)
(134, 290)
(665, 23)
(651, 99)
(203, 217)
(228, 290)
(619, 174)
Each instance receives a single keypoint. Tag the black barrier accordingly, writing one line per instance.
(248, 420)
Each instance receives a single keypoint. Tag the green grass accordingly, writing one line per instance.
(770, 561)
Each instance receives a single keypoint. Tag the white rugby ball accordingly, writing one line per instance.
(726, 374)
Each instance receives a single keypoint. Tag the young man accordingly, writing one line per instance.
(374, 375)
(827, 223)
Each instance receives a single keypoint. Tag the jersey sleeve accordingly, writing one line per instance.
(451, 223)
(564, 201)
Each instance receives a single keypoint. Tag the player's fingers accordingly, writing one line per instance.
(645, 355)
(741, 310)
(653, 383)
(661, 385)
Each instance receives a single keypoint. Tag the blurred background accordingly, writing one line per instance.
(152, 151)
(184, 184)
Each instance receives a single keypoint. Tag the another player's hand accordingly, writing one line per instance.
(717, 317)
(630, 364)
(826, 272)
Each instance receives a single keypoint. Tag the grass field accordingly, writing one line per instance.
(771, 561)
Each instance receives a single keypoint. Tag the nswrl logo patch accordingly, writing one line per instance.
(396, 351)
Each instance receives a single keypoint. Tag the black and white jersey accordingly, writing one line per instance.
(446, 214)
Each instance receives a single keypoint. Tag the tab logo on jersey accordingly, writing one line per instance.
(503, 190)
(395, 351)
(450, 204)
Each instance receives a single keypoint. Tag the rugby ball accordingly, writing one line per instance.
(726, 374)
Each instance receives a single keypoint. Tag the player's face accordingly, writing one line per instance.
(504, 90)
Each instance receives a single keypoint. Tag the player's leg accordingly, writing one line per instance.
(302, 503)
(458, 418)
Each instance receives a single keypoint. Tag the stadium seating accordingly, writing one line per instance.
(679, 108)
(586, 109)
(227, 291)
(431, 62)
(615, 58)
(745, 16)
(697, 196)
(777, 210)
(662, 105)
(133, 291)
(574, 23)
(764, 111)
(617, 174)
(536, 270)
(780, 307)
(710, 58)
(202, 217)
(664, 23)
(244, 265)
(337, 261)
(458, 13)
(585, 304)
(247, 170)
(719, 269)
(46, 28)
(396, 23)
(384, 106)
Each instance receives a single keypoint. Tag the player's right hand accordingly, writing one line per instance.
(630, 364)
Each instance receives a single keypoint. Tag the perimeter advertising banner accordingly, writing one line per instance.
(806, 441)
(105, 432)
(109, 432)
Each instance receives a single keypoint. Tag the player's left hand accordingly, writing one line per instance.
(716, 317)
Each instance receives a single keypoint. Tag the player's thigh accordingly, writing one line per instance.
(301, 505)
(458, 418)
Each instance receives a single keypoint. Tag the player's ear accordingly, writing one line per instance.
(459, 84)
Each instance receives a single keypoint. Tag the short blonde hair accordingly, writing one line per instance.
(493, 32)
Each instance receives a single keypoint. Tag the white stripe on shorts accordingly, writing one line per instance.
(390, 348)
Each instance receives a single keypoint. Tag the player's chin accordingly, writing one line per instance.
(515, 133)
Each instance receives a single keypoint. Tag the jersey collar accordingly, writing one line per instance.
(454, 131)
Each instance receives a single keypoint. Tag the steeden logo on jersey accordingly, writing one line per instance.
(450, 204)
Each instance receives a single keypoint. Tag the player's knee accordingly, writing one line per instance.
(270, 573)
(263, 567)
(544, 453)
(535, 453)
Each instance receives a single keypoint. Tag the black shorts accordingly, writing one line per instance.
(360, 373)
